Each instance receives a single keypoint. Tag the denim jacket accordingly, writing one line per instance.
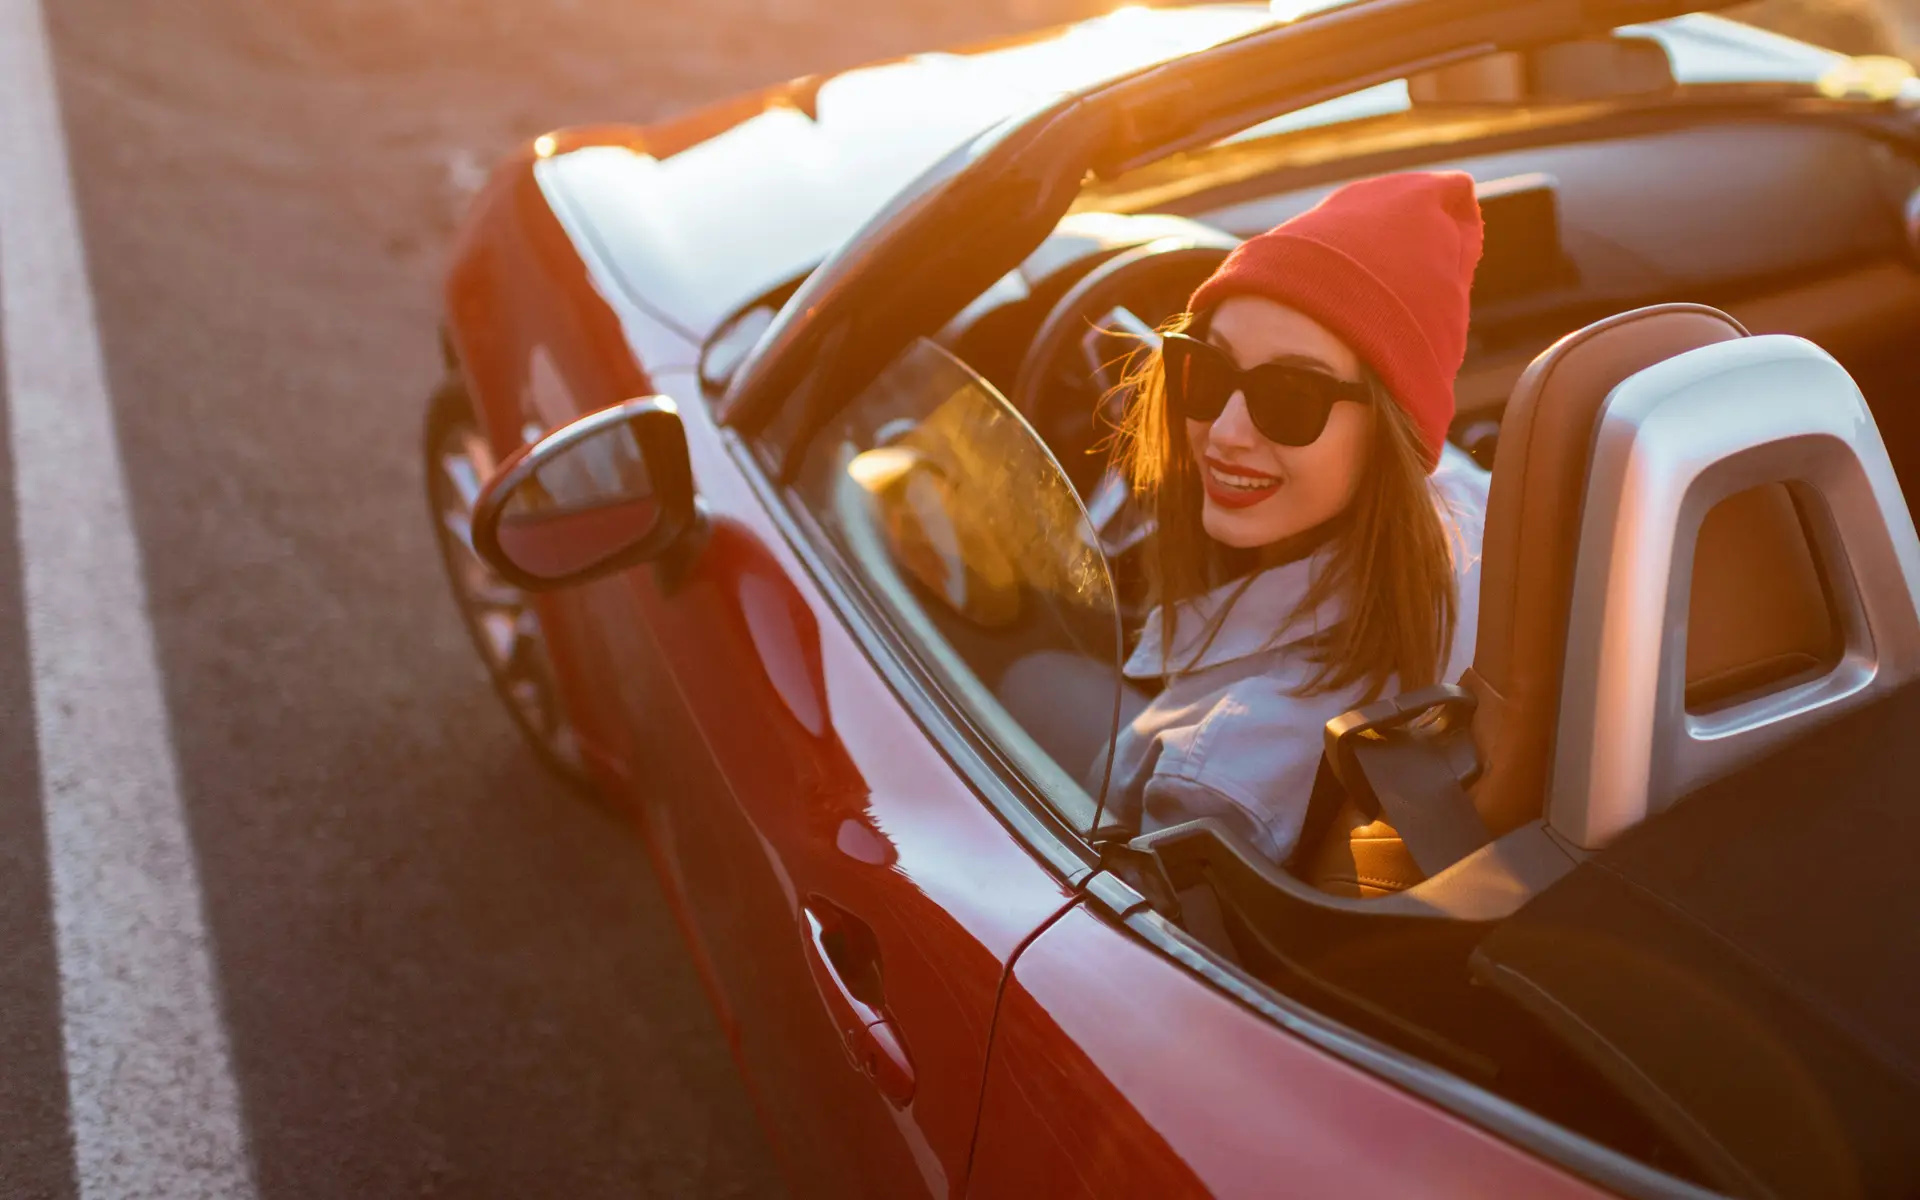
(1226, 737)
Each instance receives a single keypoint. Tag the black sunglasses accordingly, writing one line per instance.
(1288, 404)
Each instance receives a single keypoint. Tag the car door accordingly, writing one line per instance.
(1118, 1071)
(817, 804)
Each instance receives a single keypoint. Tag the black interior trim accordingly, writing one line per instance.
(1714, 964)
(1503, 1118)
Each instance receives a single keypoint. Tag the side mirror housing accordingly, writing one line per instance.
(605, 492)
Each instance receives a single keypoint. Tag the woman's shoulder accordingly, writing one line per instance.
(1460, 489)
(1462, 484)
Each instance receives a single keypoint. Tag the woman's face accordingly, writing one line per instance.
(1259, 492)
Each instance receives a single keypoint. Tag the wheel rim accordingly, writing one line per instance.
(501, 618)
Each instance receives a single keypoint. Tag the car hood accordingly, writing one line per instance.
(690, 219)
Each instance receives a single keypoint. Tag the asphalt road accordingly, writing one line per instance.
(437, 973)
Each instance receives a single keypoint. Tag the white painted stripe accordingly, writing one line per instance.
(155, 1111)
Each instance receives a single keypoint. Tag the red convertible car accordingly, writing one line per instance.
(769, 478)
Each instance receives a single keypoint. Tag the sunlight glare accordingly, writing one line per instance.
(880, 468)
(1867, 77)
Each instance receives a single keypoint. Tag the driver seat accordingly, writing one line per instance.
(1759, 613)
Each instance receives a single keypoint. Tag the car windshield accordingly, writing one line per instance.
(965, 536)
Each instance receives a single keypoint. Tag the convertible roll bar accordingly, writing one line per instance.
(1675, 440)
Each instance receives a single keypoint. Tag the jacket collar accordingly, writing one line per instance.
(1256, 623)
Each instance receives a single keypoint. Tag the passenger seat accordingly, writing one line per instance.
(1759, 613)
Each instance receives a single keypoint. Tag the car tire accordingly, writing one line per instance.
(500, 618)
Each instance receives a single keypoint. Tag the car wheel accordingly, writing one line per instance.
(501, 618)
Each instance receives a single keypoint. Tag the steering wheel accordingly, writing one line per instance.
(1068, 385)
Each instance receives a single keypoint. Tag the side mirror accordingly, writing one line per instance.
(605, 492)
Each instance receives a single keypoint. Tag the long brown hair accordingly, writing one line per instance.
(1392, 560)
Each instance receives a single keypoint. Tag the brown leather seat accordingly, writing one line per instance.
(1758, 615)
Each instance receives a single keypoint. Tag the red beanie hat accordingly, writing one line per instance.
(1387, 265)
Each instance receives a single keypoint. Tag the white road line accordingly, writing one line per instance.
(155, 1111)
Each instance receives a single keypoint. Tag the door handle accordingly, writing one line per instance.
(845, 959)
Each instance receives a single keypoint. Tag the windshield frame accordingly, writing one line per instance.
(979, 211)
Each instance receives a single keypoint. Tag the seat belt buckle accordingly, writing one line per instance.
(1447, 706)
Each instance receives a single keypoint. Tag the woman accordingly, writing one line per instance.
(1318, 540)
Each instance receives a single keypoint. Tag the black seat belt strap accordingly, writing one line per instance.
(1403, 773)
(1323, 805)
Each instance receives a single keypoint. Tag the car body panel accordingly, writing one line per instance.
(1112, 1074)
(771, 766)
(686, 229)
(779, 777)
(537, 344)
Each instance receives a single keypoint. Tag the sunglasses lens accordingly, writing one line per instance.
(1289, 405)
(1287, 414)
(1198, 382)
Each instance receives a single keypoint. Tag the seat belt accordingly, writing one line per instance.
(1323, 805)
(1401, 771)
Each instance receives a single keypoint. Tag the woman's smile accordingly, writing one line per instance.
(1237, 487)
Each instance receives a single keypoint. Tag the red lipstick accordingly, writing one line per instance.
(1233, 497)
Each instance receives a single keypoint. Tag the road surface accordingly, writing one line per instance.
(285, 909)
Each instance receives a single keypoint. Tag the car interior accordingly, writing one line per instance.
(1698, 549)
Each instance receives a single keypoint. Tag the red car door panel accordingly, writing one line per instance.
(1115, 1072)
(855, 901)
(849, 898)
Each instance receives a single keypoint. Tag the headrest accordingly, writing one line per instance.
(1533, 533)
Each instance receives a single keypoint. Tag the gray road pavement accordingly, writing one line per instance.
(438, 974)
